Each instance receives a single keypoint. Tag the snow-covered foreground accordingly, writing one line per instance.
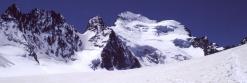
(13, 63)
(225, 67)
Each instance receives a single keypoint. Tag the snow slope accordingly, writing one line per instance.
(224, 67)
(13, 62)
(151, 40)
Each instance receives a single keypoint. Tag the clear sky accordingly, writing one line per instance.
(223, 21)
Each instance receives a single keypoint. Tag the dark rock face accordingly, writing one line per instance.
(11, 13)
(116, 55)
(205, 44)
(244, 41)
(189, 31)
(45, 32)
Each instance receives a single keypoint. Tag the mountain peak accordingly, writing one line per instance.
(12, 8)
(57, 17)
(97, 20)
(130, 16)
(96, 24)
(13, 11)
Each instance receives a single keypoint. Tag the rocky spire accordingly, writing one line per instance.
(96, 24)
(12, 12)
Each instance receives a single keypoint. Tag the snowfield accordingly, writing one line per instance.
(13, 62)
(224, 67)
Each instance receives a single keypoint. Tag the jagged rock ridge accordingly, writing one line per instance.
(43, 33)
(207, 46)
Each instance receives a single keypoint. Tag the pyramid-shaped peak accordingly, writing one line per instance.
(13, 10)
(12, 7)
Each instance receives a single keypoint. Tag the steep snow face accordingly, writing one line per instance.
(155, 42)
(43, 34)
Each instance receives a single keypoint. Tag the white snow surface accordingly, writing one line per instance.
(16, 63)
(224, 67)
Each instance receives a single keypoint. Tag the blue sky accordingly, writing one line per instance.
(223, 21)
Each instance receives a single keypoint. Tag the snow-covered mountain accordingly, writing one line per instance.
(97, 33)
(154, 42)
(134, 41)
(42, 34)
(111, 53)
